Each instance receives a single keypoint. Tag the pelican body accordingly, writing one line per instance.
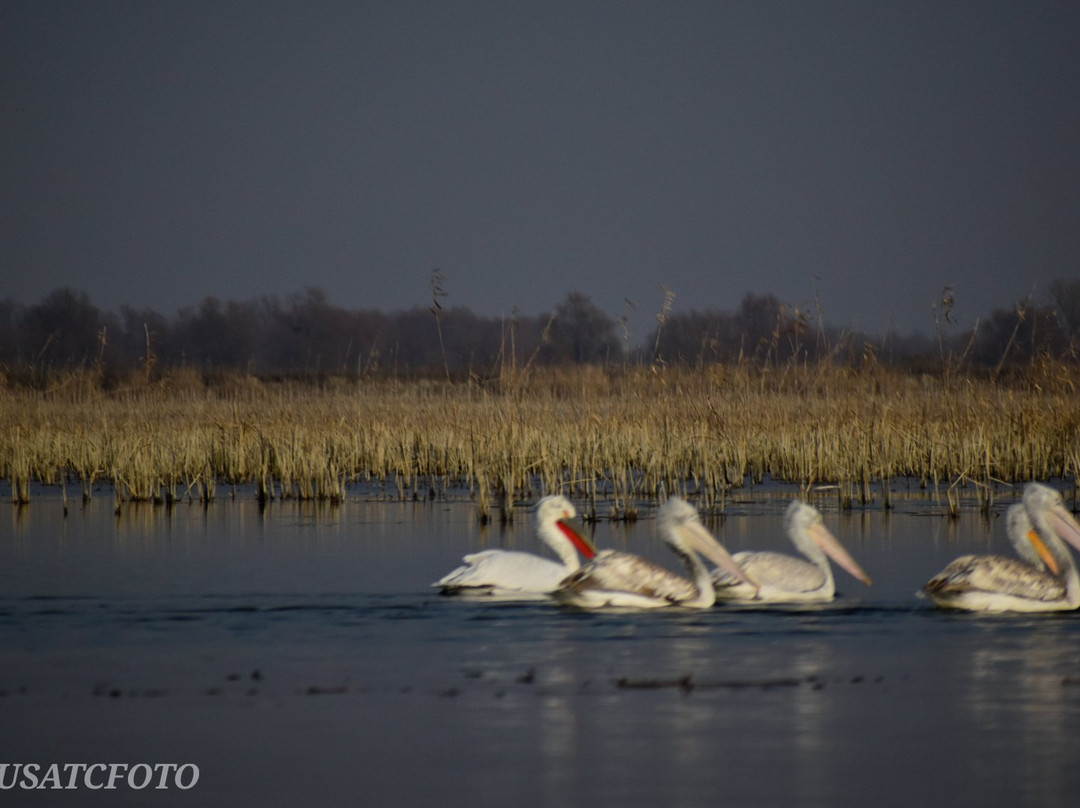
(626, 580)
(783, 578)
(513, 575)
(1043, 579)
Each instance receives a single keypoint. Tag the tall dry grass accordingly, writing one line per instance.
(613, 438)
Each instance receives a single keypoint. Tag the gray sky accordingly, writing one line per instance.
(154, 153)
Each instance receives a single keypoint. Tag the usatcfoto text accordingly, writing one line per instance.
(95, 776)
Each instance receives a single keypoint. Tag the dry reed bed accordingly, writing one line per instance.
(611, 437)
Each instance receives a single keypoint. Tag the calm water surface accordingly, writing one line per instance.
(298, 656)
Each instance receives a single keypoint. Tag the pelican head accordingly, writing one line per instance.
(682, 529)
(552, 513)
(808, 533)
(1046, 509)
(554, 507)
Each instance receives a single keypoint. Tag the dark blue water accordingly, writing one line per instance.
(298, 656)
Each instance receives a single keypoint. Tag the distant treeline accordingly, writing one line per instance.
(305, 334)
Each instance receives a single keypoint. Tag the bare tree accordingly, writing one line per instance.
(65, 330)
(1066, 295)
(581, 332)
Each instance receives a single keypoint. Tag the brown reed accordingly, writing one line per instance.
(611, 437)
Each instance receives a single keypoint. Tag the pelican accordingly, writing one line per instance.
(623, 579)
(1045, 580)
(786, 579)
(511, 575)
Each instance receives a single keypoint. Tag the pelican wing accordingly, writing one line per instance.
(612, 571)
(502, 571)
(998, 575)
(775, 570)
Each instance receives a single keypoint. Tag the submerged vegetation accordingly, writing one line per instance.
(611, 436)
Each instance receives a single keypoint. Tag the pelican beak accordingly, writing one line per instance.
(1065, 525)
(1043, 552)
(583, 545)
(701, 540)
(824, 539)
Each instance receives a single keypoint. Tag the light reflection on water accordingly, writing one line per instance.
(299, 653)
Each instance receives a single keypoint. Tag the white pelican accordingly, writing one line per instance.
(1046, 580)
(512, 575)
(786, 579)
(624, 579)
